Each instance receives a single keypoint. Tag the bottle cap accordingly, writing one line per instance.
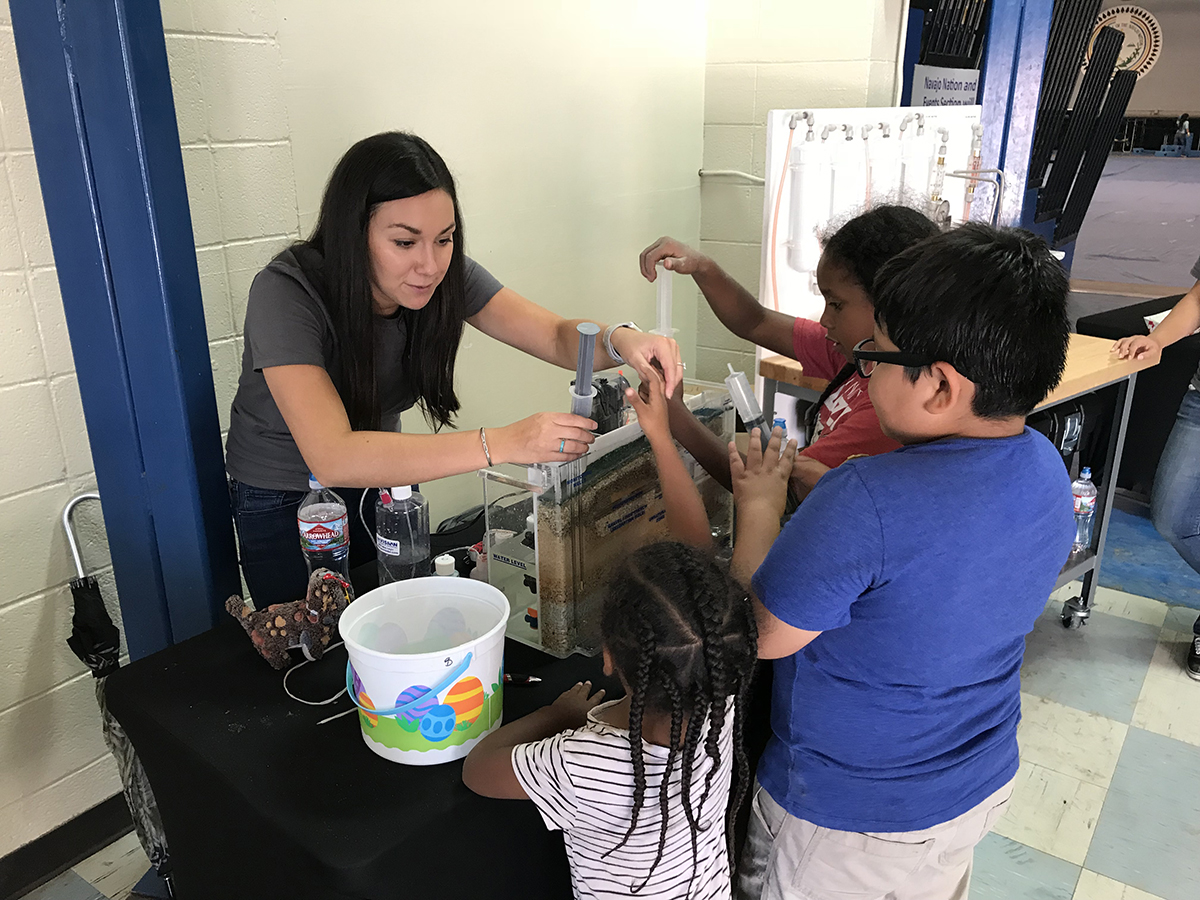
(780, 422)
(530, 522)
(444, 565)
(402, 493)
(1086, 473)
(313, 484)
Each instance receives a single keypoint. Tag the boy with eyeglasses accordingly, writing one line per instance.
(896, 601)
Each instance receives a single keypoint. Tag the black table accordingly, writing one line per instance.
(1158, 392)
(258, 801)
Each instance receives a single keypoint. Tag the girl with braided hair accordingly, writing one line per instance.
(641, 786)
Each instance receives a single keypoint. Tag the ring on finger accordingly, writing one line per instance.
(561, 445)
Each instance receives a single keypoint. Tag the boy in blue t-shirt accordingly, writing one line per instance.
(896, 601)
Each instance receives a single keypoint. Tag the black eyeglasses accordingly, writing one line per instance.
(866, 358)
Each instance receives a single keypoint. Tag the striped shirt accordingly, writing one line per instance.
(582, 783)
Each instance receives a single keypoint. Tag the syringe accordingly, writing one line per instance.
(581, 403)
(663, 283)
(747, 404)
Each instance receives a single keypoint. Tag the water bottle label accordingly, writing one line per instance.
(1084, 506)
(321, 536)
(387, 546)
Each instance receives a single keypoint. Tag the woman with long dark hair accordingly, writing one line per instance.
(361, 321)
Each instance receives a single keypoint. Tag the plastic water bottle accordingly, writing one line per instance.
(324, 530)
(401, 534)
(1085, 509)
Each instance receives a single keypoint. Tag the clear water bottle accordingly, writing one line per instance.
(401, 534)
(324, 530)
(1085, 509)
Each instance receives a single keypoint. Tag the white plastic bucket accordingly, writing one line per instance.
(428, 655)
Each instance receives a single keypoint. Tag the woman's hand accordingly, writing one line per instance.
(642, 350)
(677, 257)
(543, 437)
(760, 482)
(574, 704)
(649, 401)
(1139, 347)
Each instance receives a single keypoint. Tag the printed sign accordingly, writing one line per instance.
(937, 86)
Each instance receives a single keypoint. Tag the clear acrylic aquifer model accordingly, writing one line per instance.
(586, 517)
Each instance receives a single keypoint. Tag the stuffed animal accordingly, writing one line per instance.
(306, 625)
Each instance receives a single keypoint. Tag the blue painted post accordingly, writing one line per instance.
(1011, 76)
(102, 118)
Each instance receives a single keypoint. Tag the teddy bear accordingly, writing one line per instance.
(307, 625)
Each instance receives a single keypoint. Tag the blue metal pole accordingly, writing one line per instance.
(102, 119)
(1011, 76)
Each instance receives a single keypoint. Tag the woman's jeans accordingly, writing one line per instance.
(269, 539)
(1175, 498)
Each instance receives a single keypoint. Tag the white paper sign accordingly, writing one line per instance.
(935, 86)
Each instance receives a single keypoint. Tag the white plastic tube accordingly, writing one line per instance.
(808, 204)
(663, 284)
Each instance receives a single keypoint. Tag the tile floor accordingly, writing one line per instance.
(1107, 802)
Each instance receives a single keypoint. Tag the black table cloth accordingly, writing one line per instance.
(259, 801)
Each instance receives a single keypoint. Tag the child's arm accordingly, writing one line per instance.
(1179, 323)
(707, 448)
(687, 519)
(759, 491)
(488, 768)
(732, 304)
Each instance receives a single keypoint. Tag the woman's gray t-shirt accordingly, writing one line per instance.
(287, 324)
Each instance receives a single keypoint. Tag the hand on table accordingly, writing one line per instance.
(760, 482)
(1139, 346)
(538, 439)
(574, 704)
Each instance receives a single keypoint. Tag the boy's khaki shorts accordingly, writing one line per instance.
(786, 858)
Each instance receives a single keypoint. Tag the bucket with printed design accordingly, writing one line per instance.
(426, 667)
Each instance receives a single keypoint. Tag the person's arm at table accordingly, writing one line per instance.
(1179, 323)
(338, 455)
(687, 519)
(521, 323)
(488, 769)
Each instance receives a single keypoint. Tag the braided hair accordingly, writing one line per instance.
(682, 634)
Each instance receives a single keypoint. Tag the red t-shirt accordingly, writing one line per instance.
(846, 423)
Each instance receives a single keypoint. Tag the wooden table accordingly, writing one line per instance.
(1091, 367)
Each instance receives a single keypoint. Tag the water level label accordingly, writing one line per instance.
(387, 546)
(323, 535)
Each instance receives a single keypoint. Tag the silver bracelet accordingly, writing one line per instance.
(608, 333)
(483, 440)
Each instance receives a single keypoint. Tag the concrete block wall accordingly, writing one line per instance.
(763, 55)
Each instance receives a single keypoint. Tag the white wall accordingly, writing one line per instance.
(774, 54)
(575, 132)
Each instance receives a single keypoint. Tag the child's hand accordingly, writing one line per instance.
(1139, 347)
(650, 403)
(760, 482)
(573, 704)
